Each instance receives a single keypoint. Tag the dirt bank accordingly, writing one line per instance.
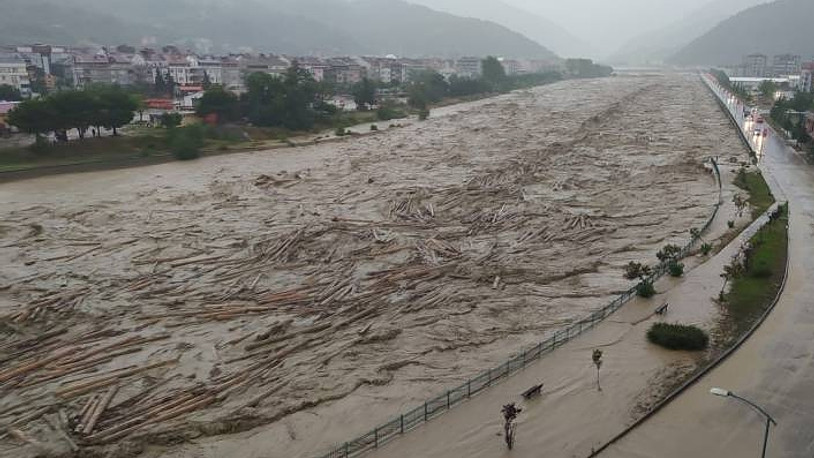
(319, 290)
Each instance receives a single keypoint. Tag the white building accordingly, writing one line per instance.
(14, 72)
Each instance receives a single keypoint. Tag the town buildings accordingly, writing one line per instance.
(14, 72)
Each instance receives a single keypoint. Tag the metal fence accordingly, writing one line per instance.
(436, 406)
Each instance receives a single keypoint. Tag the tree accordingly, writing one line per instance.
(37, 117)
(219, 102)
(160, 83)
(767, 89)
(207, 82)
(364, 94)
(171, 120)
(493, 71)
(117, 108)
(10, 93)
(126, 49)
(74, 110)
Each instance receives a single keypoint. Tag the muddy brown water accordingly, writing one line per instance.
(317, 291)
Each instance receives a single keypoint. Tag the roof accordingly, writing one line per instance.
(5, 107)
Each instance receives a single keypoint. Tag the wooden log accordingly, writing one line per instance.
(82, 388)
(100, 408)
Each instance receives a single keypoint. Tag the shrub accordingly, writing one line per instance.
(646, 289)
(706, 249)
(340, 132)
(676, 269)
(731, 224)
(186, 142)
(669, 252)
(374, 127)
(389, 111)
(423, 114)
(634, 270)
(169, 120)
(678, 337)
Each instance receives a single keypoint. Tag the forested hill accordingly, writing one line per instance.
(327, 27)
(781, 27)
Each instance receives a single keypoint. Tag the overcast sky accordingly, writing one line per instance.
(607, 24)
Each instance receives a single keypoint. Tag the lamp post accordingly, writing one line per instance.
(769, 420)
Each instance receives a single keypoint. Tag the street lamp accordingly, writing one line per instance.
(769, 420)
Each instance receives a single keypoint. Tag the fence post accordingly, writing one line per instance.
(425, 410)
(469, 388)
(524, 358)
(376, 437)
(346, 450)
(489, 380)
(447, 399)
(554, 341)
(401, 424)
(507, 367)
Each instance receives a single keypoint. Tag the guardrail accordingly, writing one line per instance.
(445, 401)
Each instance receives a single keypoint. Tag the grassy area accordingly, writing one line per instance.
(760, 197)
(86, 151)
(753, 290)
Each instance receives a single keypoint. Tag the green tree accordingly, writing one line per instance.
(74, 110)
(493, 71)
(171, 120)
(36, 117)
(207, 82)
(767, 89)
(160, 85)
(220, 102)
(10, 93)
(116, 108)
(364, 94)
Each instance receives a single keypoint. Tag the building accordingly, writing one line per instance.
(14, 72)
(755, 66)
(316, 67)
(806, 72)
(469, 67)
(786, 65)
(345, 70)
(103, 67)
(263, 63)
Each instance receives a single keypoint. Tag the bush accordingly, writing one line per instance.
(169, 120)
(374, 127)
(676, 269)
(646, 289)
(634, 270)
(706, 249)
(731, 224)
(423, 114)
(389, 111)
(669, 252)
(678, 337)
(186, 142)
(340, 132)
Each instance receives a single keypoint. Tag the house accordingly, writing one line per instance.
(14, 72)
(263, 63)
(755, 66)
(469, 67)
(805, 82)
(809, 123)
(5, 108)
(316, 67)
(345, 70)
(786, 65)
(102, 67)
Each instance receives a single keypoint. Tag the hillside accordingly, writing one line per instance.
(539, 29)
(655, 46)
(326, 27)
(774, 28)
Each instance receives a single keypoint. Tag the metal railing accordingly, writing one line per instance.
(445, 401)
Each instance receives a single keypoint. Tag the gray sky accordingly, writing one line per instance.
(607, 24)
